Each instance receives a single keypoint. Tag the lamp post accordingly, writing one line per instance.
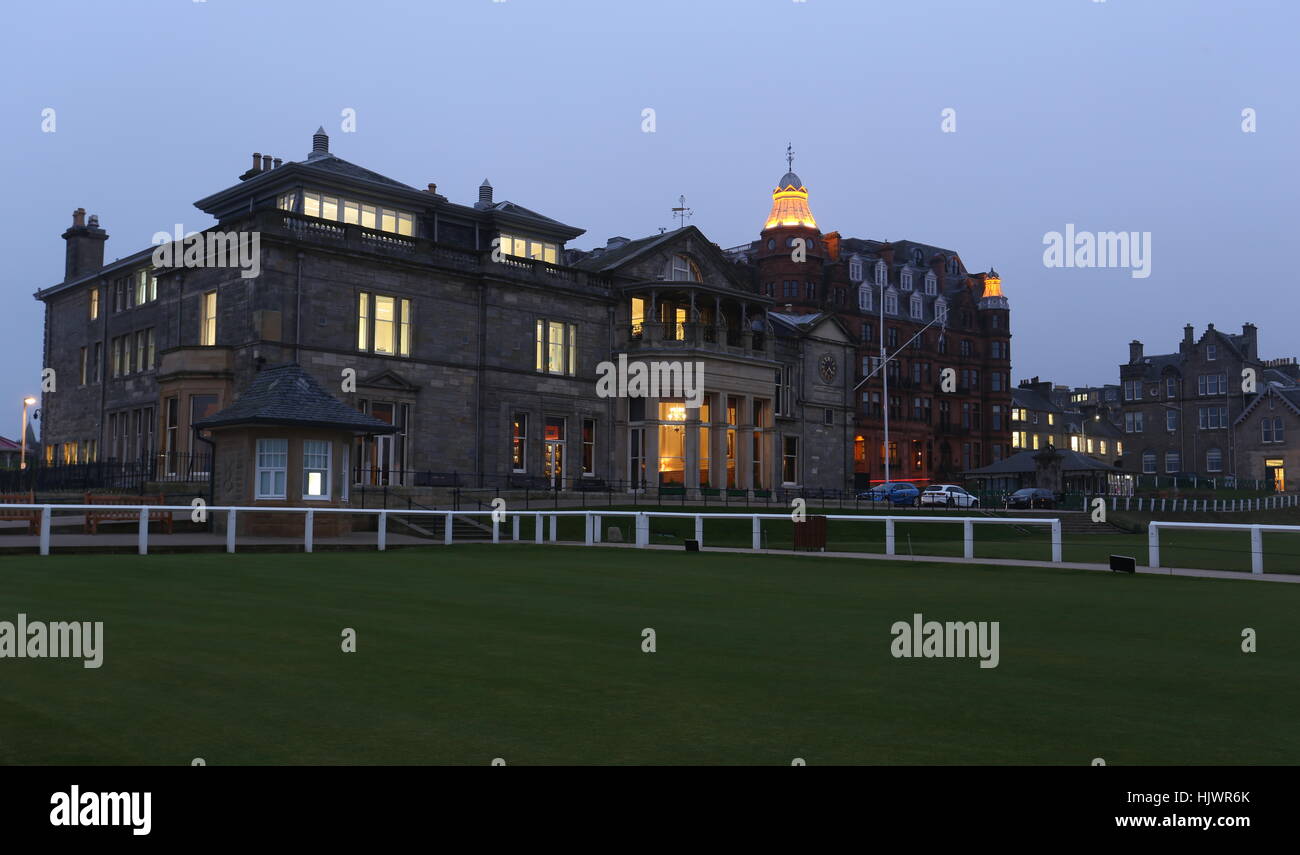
(27, 402)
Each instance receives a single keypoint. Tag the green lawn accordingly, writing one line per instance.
(533, 654)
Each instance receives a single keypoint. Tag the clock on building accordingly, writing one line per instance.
(827, 367)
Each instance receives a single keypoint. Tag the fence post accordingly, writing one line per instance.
(307, 531)
(446, 533)
(143, 538)
(889, 535)
(230, 530)
(1256, 550)
(757, 542)
(595, 526)
(586, 527)
(45, 530)
(383, 530)
(537, 528)
(554, 520)
(968, 538)
(1153, 545)
(496, 529)
(1056, 541)
(699, 530)
(642, 529)
(514, 528)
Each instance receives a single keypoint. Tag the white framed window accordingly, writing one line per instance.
(526, 247)
(1171, 462)
(864, 297)
(272, 468)
(931, 285)
(941, 310)
(315, 469)
(907, 280)
(383, 324)
(916, 305)
(891, 304)
(682, 269)
(855, 269)
(1211, 352)
(1214, 460)
(556, 348)
(1148, 462)
(881, 272)
(1171, 420)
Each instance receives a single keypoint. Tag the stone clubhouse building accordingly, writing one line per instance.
(468, 336)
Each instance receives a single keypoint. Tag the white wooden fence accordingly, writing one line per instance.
(1143, 503)
(591, 523)
(1256, 538)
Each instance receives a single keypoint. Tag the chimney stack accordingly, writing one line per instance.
(433, 188)
(278, 162)
(85, 248)
(1251, 333)
(1189, 335)
(1134, 351)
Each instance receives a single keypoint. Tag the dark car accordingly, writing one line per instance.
(894, 492)
(1031, 497)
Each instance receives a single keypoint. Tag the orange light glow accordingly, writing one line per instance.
(992, 286)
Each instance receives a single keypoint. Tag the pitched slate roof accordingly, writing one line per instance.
(1073, 461)
(326, 162)
(1030, 400)
(288, 395)
(611, 258)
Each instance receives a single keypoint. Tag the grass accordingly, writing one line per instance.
(533, 654)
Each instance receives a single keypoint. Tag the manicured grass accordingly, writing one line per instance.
(533, 654)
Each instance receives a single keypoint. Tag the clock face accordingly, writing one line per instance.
(826, 367)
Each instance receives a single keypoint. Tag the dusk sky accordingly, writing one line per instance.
(1124, 115)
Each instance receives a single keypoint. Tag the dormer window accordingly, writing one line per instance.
(931, 284)
(353, 212)
(529, 247)
(891, 303)
(881, 273)
(682, 269)
(855, 269)
(864, 297)
(907, 280)
(916, 305)
(941, 310)
(954, 267)
(918, 258)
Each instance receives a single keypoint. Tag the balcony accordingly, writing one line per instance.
(697, 336)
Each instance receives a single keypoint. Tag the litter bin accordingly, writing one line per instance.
(811, 534)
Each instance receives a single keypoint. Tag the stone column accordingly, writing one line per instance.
(745, 446)
(691, 479)
(718, 440)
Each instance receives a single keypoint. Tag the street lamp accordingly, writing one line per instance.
(27, 402)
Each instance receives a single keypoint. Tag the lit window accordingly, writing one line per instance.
(589, 447)
(272, 468)
(684, 270)
(315, 469)
(208, 332)
(557, 348)
(519, 442)
(383, 324)
(523, 247)
(94, 303)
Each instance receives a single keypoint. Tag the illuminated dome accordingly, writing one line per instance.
(790, 204)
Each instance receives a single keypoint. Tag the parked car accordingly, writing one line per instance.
(948, 496)
(894, 492)
(1031, 497)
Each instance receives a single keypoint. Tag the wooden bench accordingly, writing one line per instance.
(32, 516)
(96, 516)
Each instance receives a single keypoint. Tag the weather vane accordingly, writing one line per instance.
(682, 212)
(789, 157)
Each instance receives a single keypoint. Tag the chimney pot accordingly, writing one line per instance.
(1135, 351)
(94, 221)
(257, 162)
(278, 162)
(79, 217)
(433, 188)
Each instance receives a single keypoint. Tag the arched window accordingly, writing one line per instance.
(1214, 460)
(918, 257)
(682, 269)
(1149, 462)
(864, 297)
(881, 272)
(916, 305)
(931, 284)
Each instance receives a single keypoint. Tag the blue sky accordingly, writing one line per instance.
(1122, 115)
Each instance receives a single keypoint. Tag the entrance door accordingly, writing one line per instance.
(1277, 471)
(553, 453)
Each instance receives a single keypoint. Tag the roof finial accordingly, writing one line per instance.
(789, 157)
